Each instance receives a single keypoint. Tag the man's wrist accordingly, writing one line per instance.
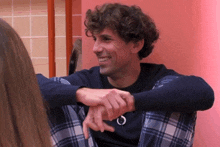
(132, 108)
(79, 94)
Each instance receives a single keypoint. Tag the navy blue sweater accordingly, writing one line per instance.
(187, 93)
(184, 94)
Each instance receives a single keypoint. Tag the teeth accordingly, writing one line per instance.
(103, 59)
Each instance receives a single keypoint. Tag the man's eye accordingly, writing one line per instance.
(94, 38)
(106, 38)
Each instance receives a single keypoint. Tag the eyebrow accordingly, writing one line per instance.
(105, 35)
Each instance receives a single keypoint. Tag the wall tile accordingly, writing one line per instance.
(77, 28)
(41, 66)
(38, 7)
(8, 20)
(39, 26)
(76, 7)
(40, 47)
(60, 46)
(59, 6)
(22, 25)
(6, 8)
(21, 7)
(26, 42)
(37, 47)
(61, 67)
(60, 26)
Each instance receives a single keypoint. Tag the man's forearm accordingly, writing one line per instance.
(182, 94)
(55, 93)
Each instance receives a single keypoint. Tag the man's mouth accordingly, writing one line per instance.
(103, 59)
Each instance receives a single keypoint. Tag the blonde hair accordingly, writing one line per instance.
(23, 119)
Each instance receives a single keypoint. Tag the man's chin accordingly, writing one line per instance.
(104, 72)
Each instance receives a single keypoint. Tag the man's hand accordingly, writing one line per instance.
(115, 101)
(94, 120)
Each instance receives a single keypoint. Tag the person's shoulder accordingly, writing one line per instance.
(153, 66)
(89, 77)
(91, 71)
(157, 69)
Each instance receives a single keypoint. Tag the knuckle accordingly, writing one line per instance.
(113, 91)
(130, 100)
(117, 109)
(123, 104)
(128, 94)
(109, 108)
(103, 100)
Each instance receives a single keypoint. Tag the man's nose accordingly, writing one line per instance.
(97, 47)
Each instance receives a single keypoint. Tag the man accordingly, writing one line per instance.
(137, 104)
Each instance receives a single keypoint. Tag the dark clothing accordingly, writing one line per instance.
(173, 97)
(184, 94)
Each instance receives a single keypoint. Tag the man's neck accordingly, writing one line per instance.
(125, 80)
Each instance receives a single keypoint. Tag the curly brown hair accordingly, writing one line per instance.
(129, 22)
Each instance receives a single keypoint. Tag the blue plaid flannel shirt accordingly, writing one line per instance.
(160, 129)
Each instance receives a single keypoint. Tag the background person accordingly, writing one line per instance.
(23, 120)
(77, 48)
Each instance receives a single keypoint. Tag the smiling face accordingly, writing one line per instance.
(115, 56)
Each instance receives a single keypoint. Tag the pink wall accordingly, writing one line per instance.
(189, 43)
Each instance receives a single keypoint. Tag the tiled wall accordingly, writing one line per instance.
(29, 18)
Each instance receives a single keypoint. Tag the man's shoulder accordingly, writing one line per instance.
(157, 69)
(90, 77)
(155, 72)
(152, 66)
(88, 72)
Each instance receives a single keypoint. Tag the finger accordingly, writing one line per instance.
(98, 118)
(130, 102)
(108, 127)
(122, 105)
(85, 130)
(118, 103)
(108, 106)
(89, 124)
(115, 105)
(115, 100)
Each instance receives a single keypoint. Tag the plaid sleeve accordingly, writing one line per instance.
(66, 125)
(167, 129)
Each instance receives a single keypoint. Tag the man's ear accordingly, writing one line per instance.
(137, 46)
